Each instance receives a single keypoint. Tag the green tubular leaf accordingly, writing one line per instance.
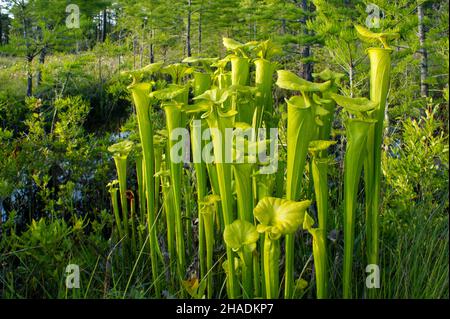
(115, 206)
(173, 114)
(271, 259)
(320, 256)
(380, 65)
(280, 216)
(240, 69)
(264, 70)
(290, 81)
(319, 169)
(326, 102)
(354, 105)
(207, 209)
(357, 132)
(297, 102)
(243, 184)
(240, 234)
(140, 95)
(222, 119)
(202, 82)
(301, 128)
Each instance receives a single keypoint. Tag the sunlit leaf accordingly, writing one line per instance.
(290, 81)
(370, 37)
(279, 216)
(241, 233)
(352, 105)
(122, 148)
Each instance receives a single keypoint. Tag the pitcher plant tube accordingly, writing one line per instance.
(241, 236)
(207, 210)
(320, 256)
(140, 95)
(172, 99)
(301, 129)
(120, 153)
(219, 117)
(380, 68)
(357, 130)
(276, 217)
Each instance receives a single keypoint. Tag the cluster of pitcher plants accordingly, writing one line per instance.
(243, 208)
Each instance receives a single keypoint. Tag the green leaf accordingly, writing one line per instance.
(112, 185)
(231, 44)
(290, 81)
(122, 148)
(354, 105)
(208, 203)
(240, 234)
(216, 96)
(279, 216)
(177, 71)
(327, 75)
(297, 102)
(198, 107)
(308, 222)
(169, 92)
(321, 101)
(192, 59)
(370, 37)
(267, 49)
(138, 74)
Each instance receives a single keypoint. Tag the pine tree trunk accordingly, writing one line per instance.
(151, 49)
(42, 56)
(283, 26)
(423, 53)
(104, 25)
(134, 52)
(29, 76)
(306, 68)
(1, 36)
(188, 29)
(200, 32)
(141, 55)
